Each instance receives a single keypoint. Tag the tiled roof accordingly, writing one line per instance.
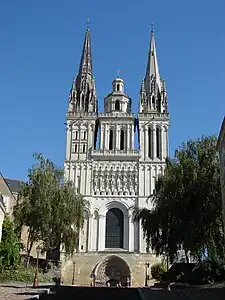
(13, 184)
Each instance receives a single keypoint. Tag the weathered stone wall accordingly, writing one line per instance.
(84, 264)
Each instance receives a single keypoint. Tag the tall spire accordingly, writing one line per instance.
(152, 65)
(86, 60)
(153, 97)
(82, 97)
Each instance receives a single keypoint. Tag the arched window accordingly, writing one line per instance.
(122, 137)
(153, 101)
(117, 105)
(149, 142)
(111, 140)
(157, 143)
(114, 228)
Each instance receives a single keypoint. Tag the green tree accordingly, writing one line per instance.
(50, 208)
(187, 206)
(9, 246)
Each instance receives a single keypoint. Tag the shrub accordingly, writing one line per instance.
(158, 271)
(23, 274)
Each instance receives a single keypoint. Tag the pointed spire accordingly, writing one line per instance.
(152, 66)
(86, 60)
(153, 97)
(82, 96)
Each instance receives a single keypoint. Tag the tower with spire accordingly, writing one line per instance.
(112, 172)
(153, 120)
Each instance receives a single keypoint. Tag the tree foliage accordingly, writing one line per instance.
(9, 246)
(187, 205)
(51, 209)
(158, 271)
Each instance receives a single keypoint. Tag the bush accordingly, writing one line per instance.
(208, 271)
(23, 274)
(158, 271)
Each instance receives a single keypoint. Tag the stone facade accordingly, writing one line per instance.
(9, 195)
(221, 151)
(114, 172)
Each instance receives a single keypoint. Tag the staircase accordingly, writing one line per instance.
(104, 293)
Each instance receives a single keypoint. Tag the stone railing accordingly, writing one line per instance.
(80, 114)
(116, 114)
(154, 115)
(131, 152)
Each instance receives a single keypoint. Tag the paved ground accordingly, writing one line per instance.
(19, 291)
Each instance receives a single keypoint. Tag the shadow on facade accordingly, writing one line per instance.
(112, 270)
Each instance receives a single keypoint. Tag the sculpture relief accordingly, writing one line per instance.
(115, 180)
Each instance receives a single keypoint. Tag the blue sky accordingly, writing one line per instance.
(40, 48)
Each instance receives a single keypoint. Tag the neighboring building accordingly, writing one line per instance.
(221, 151)
(9, 189)
(8, 193)
(2, 214)
(114, 174)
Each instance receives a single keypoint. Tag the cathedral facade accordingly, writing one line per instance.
(112, 172)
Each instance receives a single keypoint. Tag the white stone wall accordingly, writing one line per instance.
(114, 179)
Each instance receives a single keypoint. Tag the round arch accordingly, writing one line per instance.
(114, 204)
(111, 269)
(114, 235)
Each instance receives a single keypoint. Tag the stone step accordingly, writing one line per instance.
(98, 293)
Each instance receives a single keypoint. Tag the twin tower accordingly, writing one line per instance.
(114, 129)
(107, 166)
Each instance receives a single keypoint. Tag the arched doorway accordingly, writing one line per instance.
(112, 270)
(114, 228)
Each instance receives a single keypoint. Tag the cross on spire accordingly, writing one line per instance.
(118, 72)
(152, 26)
(88, 23)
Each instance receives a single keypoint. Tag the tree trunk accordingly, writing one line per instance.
(28, 252)
(186, 256)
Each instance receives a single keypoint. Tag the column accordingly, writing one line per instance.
(132, 135)
(167, 142)
(117, 137)
(162, 143)
(106, 137)
(131, 234)
(101, 240)
(126, 233)
(90, 233)
(127, 138)
(142, 141)
(101, 136)
(104, 146)
(136, 237)
(68, 142)
(146, 141)
(141, 239)
(154, 142)
(72, 173)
